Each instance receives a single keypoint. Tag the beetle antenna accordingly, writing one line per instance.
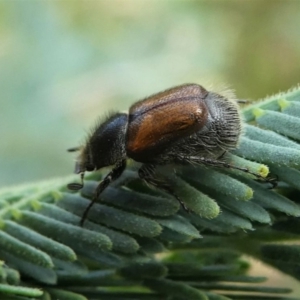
(75, 186)
(73, 149)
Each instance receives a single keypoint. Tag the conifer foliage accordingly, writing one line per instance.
(138, 243)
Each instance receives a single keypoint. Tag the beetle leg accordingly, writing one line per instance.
(147, 173)
(114, 174)
(220, 164)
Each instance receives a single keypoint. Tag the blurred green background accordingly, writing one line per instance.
(65, 63)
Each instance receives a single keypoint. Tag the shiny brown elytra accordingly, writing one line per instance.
(183, 125)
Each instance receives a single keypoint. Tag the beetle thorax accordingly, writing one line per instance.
(106, 145)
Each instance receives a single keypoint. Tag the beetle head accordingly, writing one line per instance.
(105, 146)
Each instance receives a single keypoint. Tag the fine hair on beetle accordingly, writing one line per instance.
(186, 124)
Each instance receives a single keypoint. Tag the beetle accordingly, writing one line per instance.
(186, 124)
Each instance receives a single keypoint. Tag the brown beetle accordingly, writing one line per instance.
(185, 124)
